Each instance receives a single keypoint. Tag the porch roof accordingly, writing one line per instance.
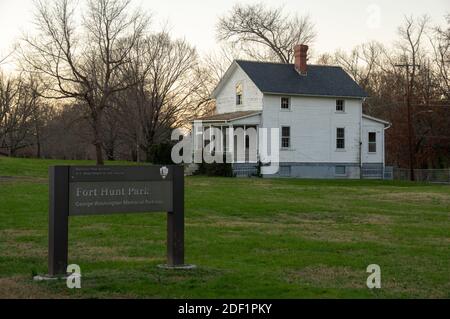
(386, 123)
(228, 117)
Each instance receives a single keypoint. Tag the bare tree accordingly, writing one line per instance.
(217, 62)
(41, 111)
(411, 39)
(66, 134)
(112, 137)
(167, 91)
(211, 70)
(265, 33)
(326, 59)
(16, 110)
(3, 59)
(85, 62)
(362, 61)
(440, 42)
(8, 91)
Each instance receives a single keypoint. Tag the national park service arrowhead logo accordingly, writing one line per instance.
(164, 171)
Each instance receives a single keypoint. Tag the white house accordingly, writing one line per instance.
(317, 108)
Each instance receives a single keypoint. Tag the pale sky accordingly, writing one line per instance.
(339, 24)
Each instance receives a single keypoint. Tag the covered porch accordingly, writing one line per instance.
(243, 150)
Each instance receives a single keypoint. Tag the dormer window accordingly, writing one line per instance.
(239, 94)
(340, 106)
(285, 105)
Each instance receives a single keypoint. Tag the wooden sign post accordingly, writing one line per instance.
(90, 190)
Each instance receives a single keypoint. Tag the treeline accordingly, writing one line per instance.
(98, 83)
(409, 86)
(103, 84)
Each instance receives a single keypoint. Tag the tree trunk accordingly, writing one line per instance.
(38, 151)
(148, 154)
(110, 153)
(38, 144)
(149, 144)
(99, 154)
(97, 139)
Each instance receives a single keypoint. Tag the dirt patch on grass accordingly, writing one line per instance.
(335, 234)
(373, 219)
(334, 217)
(104, 253)
(26, 179)
(334, 227)
(100, 253)
(20, 243)
(326, 227)
(429, 198)
(28, 250)
(328, 277)
(136, 258)
(15, 233)
(24, 288)
(238, 223)
(322, 276)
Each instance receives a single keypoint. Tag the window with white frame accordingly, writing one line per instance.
(285, 103)
(285, 137)
(340, 138)
(340, 106)
(239, 94)
(372, 142)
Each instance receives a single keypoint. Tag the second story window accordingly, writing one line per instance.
(372, 142)
(239, 94)
(340, 107)
(340, 138)
(285, 137)
(285, 105)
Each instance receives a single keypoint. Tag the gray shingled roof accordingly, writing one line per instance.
(321, 80)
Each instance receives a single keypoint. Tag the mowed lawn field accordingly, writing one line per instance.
(257, 238)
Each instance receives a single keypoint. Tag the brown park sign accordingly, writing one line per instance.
(117, 189)
(92, 190)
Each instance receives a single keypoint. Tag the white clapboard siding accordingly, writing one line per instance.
(313, 122)
(226, 97)
(372, 126)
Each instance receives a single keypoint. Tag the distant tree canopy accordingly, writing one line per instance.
(102, 83)
(115, 71)
(265, 33)
(416, 67)
(85, 60)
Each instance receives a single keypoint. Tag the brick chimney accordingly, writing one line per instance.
(301, 55)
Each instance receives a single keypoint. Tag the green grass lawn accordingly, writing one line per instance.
(259, 238)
